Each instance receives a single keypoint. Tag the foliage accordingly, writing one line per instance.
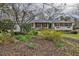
(23, 38)
(57, 36)
(46, 34)
(60, 45)
(31, 46)
(53, 35)
(33, 32)
(61, 17)
(6, 38)
(26, 27)
(28, 36)
(6, 24)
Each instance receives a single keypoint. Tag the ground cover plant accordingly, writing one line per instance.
(23, 38)
(26, 36)
(6, 38)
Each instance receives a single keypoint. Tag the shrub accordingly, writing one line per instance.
(60, 45)
(31, 46)
(6, 38)
(33, 32)
(23, 38)
(57, 36)
(6, 24)
(46, 34)
(26, 27)
(53, 35)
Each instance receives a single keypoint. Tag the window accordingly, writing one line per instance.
(44, 24)
(61, 24)
(56, 24)
(68, 25)
(37, 24)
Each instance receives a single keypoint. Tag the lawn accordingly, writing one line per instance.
(72, 36)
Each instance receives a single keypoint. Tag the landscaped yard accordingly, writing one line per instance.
(36, 42)
(33, 29)
(44, 42)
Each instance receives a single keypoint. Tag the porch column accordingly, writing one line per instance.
(33, 25)
(72, 26)
(47, 25)
(41, 25)
(53, 27)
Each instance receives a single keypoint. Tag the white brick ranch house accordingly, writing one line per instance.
(62, 22)
(59, 23)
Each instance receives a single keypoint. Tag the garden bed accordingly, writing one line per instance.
(39, 43)
(40, 48)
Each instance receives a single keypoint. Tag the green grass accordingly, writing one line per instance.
(73, 36)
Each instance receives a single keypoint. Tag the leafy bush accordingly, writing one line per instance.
(26, 27)
(60, 45)
(6, 38)
(23, 38)
(6, 24)
(33, 32)
(57, 36)
(53, 35)
(31, 46)
(46, 34)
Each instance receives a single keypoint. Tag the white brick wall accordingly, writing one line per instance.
(63, 28)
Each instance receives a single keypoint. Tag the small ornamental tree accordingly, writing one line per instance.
(6, 24)
(26, 27)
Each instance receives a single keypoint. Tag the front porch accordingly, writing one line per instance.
(63, 26)
(42, 25)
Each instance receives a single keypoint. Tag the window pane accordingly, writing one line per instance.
(44, 24)
(56, 24)
(61, 24)
(37, 24)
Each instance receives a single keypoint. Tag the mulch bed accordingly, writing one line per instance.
(43, 48)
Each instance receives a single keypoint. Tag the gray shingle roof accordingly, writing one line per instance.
(48, 21)
(57, 19)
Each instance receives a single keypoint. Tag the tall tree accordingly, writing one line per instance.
(20, 13)
(55, 10)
